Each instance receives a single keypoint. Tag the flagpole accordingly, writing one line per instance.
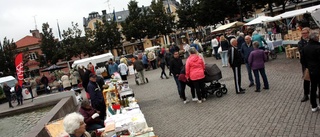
(59, 32)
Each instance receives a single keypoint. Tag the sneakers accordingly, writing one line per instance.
(314, 109)
(194, 99)
(199, 101)
(186, 101)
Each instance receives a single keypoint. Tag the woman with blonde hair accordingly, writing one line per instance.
(224, 51)
(123, 69)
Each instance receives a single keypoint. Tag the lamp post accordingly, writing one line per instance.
(239, 5)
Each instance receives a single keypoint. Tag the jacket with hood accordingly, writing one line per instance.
(195, 67)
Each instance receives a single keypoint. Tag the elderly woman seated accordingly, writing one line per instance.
(91, 116)
(74, 125)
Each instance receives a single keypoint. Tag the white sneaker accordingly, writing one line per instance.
(194, 99)
(204, 99)
(199, 101)
(314, 109)
(186, 101)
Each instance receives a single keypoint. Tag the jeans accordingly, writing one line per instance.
(9, 100)
(249, 73)
(20, 99)
(183, 87)
(224, 58)
(264, 78)
(163, 72)
(216, 54)
(178, 85)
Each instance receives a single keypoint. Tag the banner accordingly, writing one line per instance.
(19, 68)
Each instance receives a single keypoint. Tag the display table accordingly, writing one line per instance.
(290, 42)
(275, 44)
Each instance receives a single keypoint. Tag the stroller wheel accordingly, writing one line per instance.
(219, 94)
(147, 80)
(224, 90)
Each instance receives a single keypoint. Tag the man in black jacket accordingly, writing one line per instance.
(97, 100)
(175, 67)
(301, 44)
(235, 61)
(7, 92)
(311, 60)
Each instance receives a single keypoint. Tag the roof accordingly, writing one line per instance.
(27, 41)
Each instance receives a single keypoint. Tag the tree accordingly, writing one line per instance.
(112, 36)
(73, 44)
(49, 46)
(7, 57)
(186, 15)
(133, 26)
(162, 23)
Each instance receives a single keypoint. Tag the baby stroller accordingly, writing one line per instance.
(137, 79)
(212, 84)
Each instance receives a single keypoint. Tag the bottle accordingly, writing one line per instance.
(127, 102)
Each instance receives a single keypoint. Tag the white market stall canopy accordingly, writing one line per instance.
(258, 20)
(293, 13)
(316, 16)
(230, 25)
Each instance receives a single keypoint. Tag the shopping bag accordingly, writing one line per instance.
(306, 75)
(219, 49)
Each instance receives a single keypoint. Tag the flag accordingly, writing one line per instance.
(59, 29)
(114, 15)
(19, 68)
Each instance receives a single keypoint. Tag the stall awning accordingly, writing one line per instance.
(258, 20)
(230, 25)
(293, 13)
(316, 16)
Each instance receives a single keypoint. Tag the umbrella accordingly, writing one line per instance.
(52, 68)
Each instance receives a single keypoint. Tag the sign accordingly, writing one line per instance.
(19, 68)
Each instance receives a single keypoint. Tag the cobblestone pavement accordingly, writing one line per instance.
(19, 125)
(274, 112)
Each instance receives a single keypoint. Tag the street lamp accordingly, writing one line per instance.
(239, 5)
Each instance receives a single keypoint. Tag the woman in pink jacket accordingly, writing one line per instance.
(195, 73)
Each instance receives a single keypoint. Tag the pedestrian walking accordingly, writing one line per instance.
(7, 92)
(301, 44)
(310, 58)
(246, 49)
(123, 69)
(175, 67)
(215, 46)
(195, 73)
(256, 60)
(224, 51)
(235, 61)
(18, 91)
(138, 66)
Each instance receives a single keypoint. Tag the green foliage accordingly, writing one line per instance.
(186, 15)
(162, 23)
(72, 43)
(49, 46)
(7, 57)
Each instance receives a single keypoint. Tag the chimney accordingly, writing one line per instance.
(35, 33)
(104, 12)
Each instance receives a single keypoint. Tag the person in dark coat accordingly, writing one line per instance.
(97, 100)
(7, 92)
(45, 81)
(85, 79)
(240, 40)
(301, 44)
(91, 116)
(256, 60)
(138, 66)
(311, 60)
(235, 61)
(246, 49)
(18, 90)
(175, 67)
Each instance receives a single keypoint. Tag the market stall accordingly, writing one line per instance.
(124, 116)
(230, 25)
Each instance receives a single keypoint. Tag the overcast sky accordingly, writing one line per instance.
(17, 17)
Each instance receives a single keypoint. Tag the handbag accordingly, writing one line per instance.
(182, 77)
(306, 75)
(219, 49)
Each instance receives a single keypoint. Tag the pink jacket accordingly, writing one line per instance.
(195, 67)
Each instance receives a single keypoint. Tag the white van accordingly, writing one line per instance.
(11, 81)
(99, 59)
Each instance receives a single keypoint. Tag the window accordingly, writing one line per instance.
(33, 56)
